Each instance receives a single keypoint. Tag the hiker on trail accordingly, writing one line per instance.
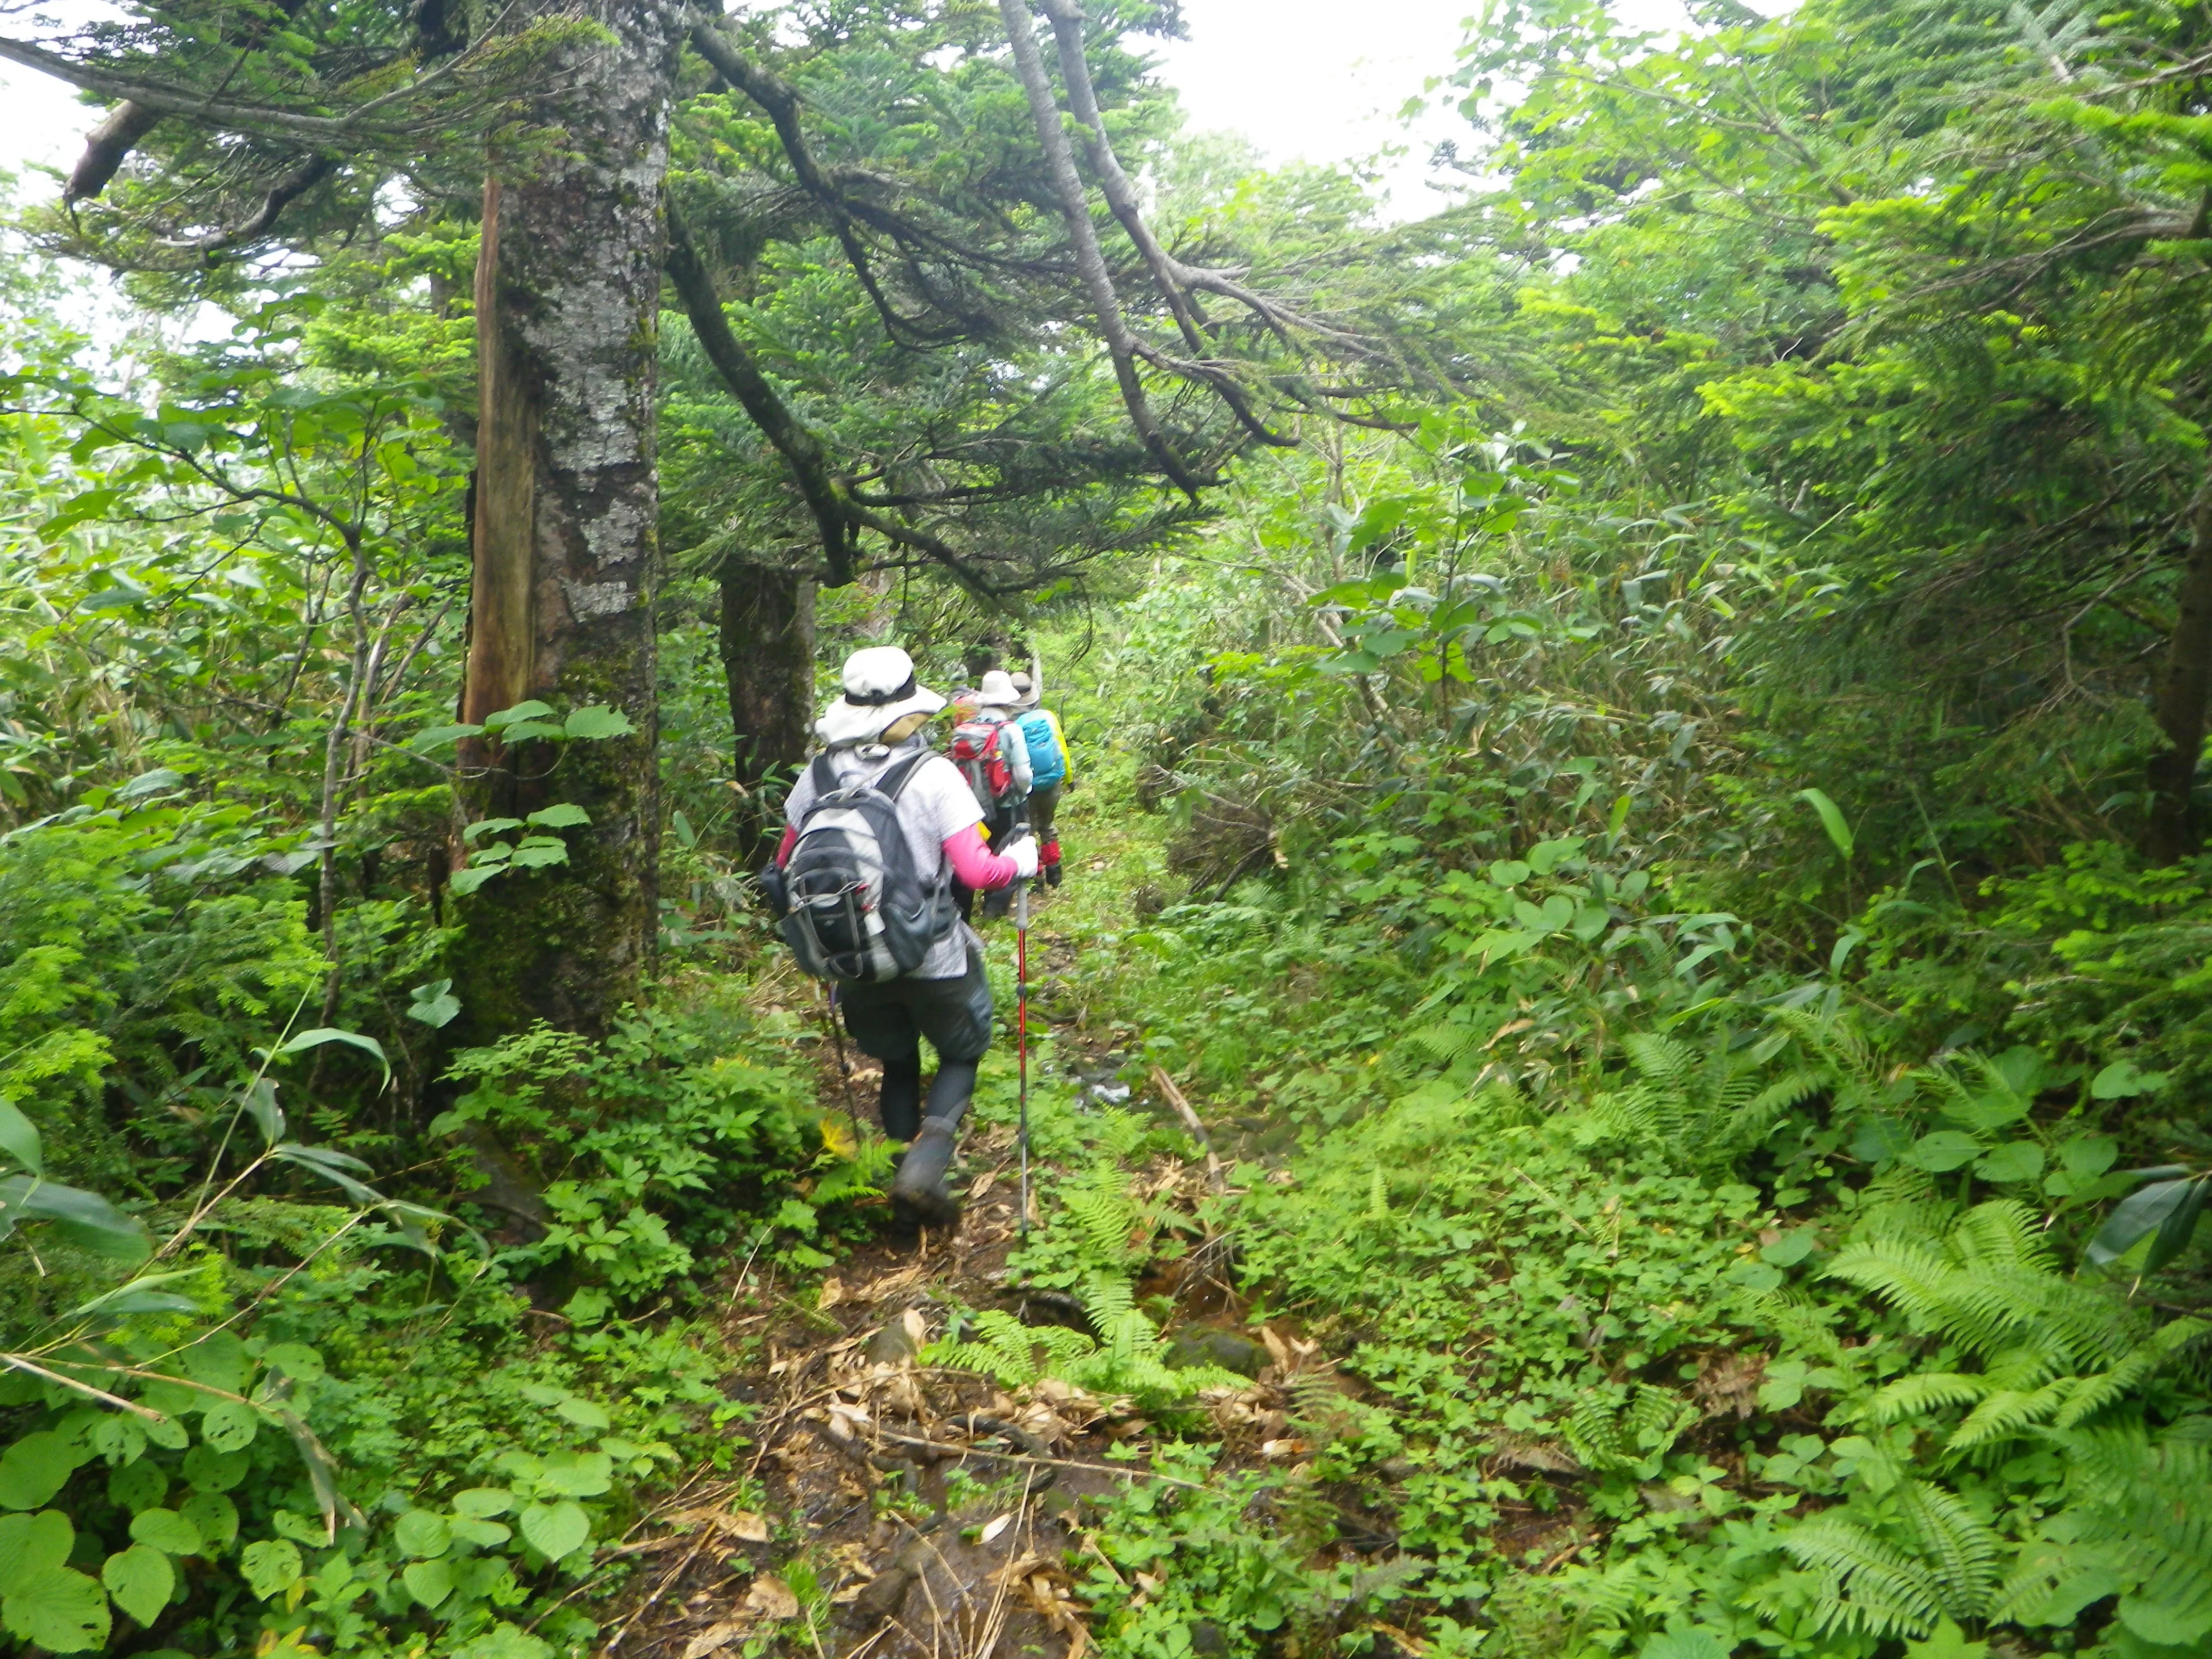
(988, 748)
(878, 828)
(1052, 770)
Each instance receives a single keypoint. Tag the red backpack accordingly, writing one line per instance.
(975, 751)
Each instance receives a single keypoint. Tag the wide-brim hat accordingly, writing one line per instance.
(996, 691)
(880, 690)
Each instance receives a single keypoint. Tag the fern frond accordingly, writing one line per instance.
(1923, 1393)
(1957, 1543)
(1866, 1583)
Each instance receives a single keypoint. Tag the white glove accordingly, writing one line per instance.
(1023, 853)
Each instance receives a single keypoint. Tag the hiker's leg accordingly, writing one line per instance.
(1044, 807)
(955, 1015)
(884, 1027)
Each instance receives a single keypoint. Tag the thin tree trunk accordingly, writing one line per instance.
(2174, 834)
(567, 558)
(768, 659)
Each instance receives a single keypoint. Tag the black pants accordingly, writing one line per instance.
(888, 1022)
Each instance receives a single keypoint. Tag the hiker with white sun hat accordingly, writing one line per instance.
(877, 830)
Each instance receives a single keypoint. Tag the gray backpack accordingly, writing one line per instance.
(853, 907)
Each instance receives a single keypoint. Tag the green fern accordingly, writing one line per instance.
(1128, 1356)
(1618, 1427)
(2054, 1353)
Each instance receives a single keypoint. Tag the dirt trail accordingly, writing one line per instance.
(907, 1510)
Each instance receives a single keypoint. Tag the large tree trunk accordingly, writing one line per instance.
(566, 561)
(2174, 832)
(768, 657)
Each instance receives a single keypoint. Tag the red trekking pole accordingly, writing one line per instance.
(1022, 1032)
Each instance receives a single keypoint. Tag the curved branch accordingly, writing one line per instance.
(826, 495)
(282, 194)
(106, 147)
(1090, 263)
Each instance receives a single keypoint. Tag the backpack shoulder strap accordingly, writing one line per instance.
(899, 775)
(824, 775)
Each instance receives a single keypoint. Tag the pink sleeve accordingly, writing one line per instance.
(976, 865)
(790, 841)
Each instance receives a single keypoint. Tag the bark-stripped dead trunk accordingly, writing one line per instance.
(566, 555)
(2182, 698)
(767, 659)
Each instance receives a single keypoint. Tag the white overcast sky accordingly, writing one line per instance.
(1313, 80)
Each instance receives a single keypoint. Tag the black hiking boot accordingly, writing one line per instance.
(1052, 875)
(920, 1194)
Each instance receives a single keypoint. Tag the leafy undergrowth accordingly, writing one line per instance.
(1750, 1337)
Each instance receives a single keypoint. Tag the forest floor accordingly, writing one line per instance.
(910, 1511)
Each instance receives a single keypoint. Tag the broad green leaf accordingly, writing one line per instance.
(32, 1543)
(215, 1517)
(428, 1582)
(539, 854)
(422, 1534)
(592, 724)
(586, 1413)
(165, 1529)
(489, 827)
(433, 1005)
(505, 1642)
(2121, 1080)
(140, 1580)
(2015, 1160)
(139, 1486)
(484, 1534)
(563, 815)
(1946, 1149)
(437, 737)
(57, 1609)
(1509, 872)
(271, 1566)
(530, 710)
(37, 1467)
(555, 1531)
(18, 1138)
(467, 881)
(578, 1474)
(229, 1425)
(483, 1501)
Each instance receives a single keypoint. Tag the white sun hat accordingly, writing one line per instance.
(996, 691)
(880, 689)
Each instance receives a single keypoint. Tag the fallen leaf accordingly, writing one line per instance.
(1281, 1178)
(994, 1527)
(1279, 1350)
(772, 1596)
(916, 1327)
(982, 1186)
(743, 1524)
(715, 1639)
(1282, 1448)
(833, 1293)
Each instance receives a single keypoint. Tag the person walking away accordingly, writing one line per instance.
(1052, 770)
(989, 750)
(878, 830)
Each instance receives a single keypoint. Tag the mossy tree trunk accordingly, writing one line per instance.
(567, 560)
(768, 659)
(2174, 833)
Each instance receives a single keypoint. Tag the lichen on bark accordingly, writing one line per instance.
(567, 559)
